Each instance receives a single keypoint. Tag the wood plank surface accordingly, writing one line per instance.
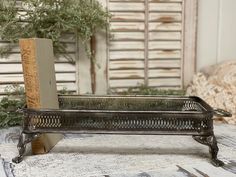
(126, 45)
(159, 26)
(165, 7)
(129, 64)
(167, 73)
(168, 45)
(127, 26)
(124, 7)
(17, 68)
(127, 36)
(127, 16)
(145, 43)
(126, 0)
(60, 77)
(165, 54)
(165, 17)
(122, 74)
(155, 64)
(121, 55)
(166, 1)
(164, 36)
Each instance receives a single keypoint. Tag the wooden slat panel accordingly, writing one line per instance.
(10, 68)
(126, 83)
(123, 36)
(17, 68)
(66, 77)
(164, 17)
(64, 67)
(117, 45)
(127, 26)
(155, 64)
(165, 82)
(67, 86)
(116, 55)
(164, 1)
(164, 73)
(164, 54)
(131, 74)
(130, 17)
(60, 86)
(124, 7)
(60, 77)
(70, 47)
(165, 7)
(165, 26)
(126, 65)
(126, 0)
(17, 58)
(153, 45)
(165, 36)
(164, 44)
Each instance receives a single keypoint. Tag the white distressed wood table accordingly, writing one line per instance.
(123, 156)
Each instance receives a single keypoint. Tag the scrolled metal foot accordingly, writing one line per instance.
(17, 159)
(21, 146)
(211, 142)
(217, 162)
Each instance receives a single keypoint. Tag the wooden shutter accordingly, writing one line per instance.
(127, 43)
(146, 44)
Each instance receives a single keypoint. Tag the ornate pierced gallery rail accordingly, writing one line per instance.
(124, 115)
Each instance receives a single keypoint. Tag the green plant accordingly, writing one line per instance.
(9, 104)
(50, 19)
(14, 100)
(144, 90)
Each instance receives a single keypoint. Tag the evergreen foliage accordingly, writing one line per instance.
(144, 90)
(9, 104)
(50, 19)
(14, 100)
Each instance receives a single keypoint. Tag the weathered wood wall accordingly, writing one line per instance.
(151, 42)
(146, 44)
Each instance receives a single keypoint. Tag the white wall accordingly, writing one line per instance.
(216, 32)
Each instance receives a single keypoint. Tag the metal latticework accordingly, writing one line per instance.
(124, 115)
(131, 103)
(154, 115)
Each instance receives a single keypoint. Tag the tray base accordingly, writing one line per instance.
(209, 141)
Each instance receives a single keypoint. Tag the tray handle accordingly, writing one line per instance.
(222, 113)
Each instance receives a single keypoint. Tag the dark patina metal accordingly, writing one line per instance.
(149, 115)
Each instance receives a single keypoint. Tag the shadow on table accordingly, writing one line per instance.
(131, 150)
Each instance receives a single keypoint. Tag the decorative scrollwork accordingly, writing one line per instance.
(211, 142)
(21, 146)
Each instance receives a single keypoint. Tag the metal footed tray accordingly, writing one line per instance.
(124, 115)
